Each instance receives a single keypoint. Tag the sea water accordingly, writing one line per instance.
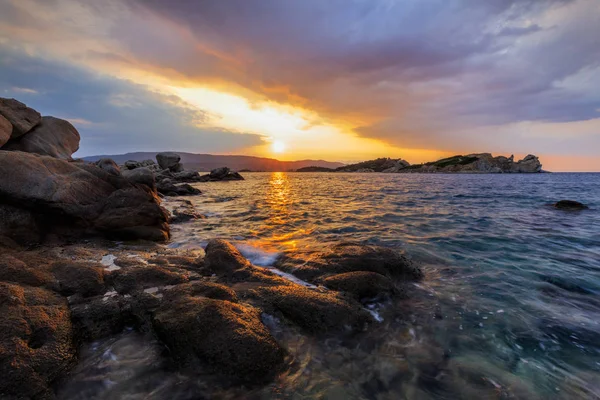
(509, 308)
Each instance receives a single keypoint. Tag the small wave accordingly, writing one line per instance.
(258, 256)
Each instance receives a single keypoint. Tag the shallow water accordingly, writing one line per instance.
(510, 307)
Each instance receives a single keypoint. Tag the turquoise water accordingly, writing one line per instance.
(510, 307)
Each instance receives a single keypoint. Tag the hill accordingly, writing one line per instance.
(207, 162)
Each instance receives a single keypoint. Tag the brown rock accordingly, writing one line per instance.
(222, 258)
(53, 137)
(22, 118)
(361, 284)
(5, 130)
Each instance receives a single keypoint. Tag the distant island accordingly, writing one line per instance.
(482, 163)
(208, 162)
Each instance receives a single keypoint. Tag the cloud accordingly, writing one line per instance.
(434, 74)
(113, 116)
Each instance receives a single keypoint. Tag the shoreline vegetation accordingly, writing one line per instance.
(80, 262)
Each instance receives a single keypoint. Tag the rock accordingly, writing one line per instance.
(182, 211)
(228, 337)
(36, 341)
(205, 289)
(219, 173)
(5, 130)
(530, 164)
(222, 258)
(136, 279)
(79, 278)
(109, 166)
(170, 161)
(19, 225)
(361, 284)
(142, 176)
(16, 271)
(234, 176)
(21, 117)
(167, 188)
(131, 164)
(570, 205)
(77, 195)
(186, 176)
(99, 317)
(314, 311)
(53, 137)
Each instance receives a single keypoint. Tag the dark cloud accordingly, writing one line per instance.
(112, 115)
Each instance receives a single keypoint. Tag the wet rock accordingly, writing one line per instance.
(109, 166)
(21, 117)
(315, 311)
(19, 225)
(16, 271)
(226, 336)
(136, 279)
(361, 284)
(222, 258)
(53, 137)
(98, 317)
(5, 130)
(81, 278)
(170, 161)
(168, 188)
(205, 289)
(570, 205)
(142, 176)
(36, 341)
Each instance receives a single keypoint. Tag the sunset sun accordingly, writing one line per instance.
(278, 146)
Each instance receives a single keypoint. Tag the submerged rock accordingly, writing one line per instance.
(21, 117)
(361, 284)
(227, 336)
(570, 205)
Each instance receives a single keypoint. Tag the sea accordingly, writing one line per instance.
(509, 307)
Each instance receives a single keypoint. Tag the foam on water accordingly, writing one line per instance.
(257, 256)
(109, 262)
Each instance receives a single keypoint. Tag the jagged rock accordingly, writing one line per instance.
(170, 161)
(109, 166)
(78, 195)
(142, 175)
(477, 163)
(530, 164)
(228, 337)
(52, 137)
(570, 205)
(36, 341)
(21, 117)
(5, 130)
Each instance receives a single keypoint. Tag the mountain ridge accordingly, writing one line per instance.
(207, 162)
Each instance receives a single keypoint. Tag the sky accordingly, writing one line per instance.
(342, 80)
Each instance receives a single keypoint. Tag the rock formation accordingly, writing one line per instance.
(477, 163)
(52, 137)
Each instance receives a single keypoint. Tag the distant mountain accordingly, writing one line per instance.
(207, 162)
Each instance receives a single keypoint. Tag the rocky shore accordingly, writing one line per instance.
(482, 163)
(64, 282)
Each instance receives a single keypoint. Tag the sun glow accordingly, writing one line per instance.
(278, 146)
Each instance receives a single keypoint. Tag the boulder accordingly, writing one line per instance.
(53, 137)
(36, 341)
(142, 176)
(219, 173)
(98, 317)
(19, 225)
(315, 312)
(222, 258)
(5, 130)
(186, 176)
(21, 117)
(109, 166)
(80, 195)
(361, 284)
(79, 278)
(530, 164)
(167, 188)
(131, 164)
(570, 205)
(137, 279)
(170, 161)
(230, 338)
